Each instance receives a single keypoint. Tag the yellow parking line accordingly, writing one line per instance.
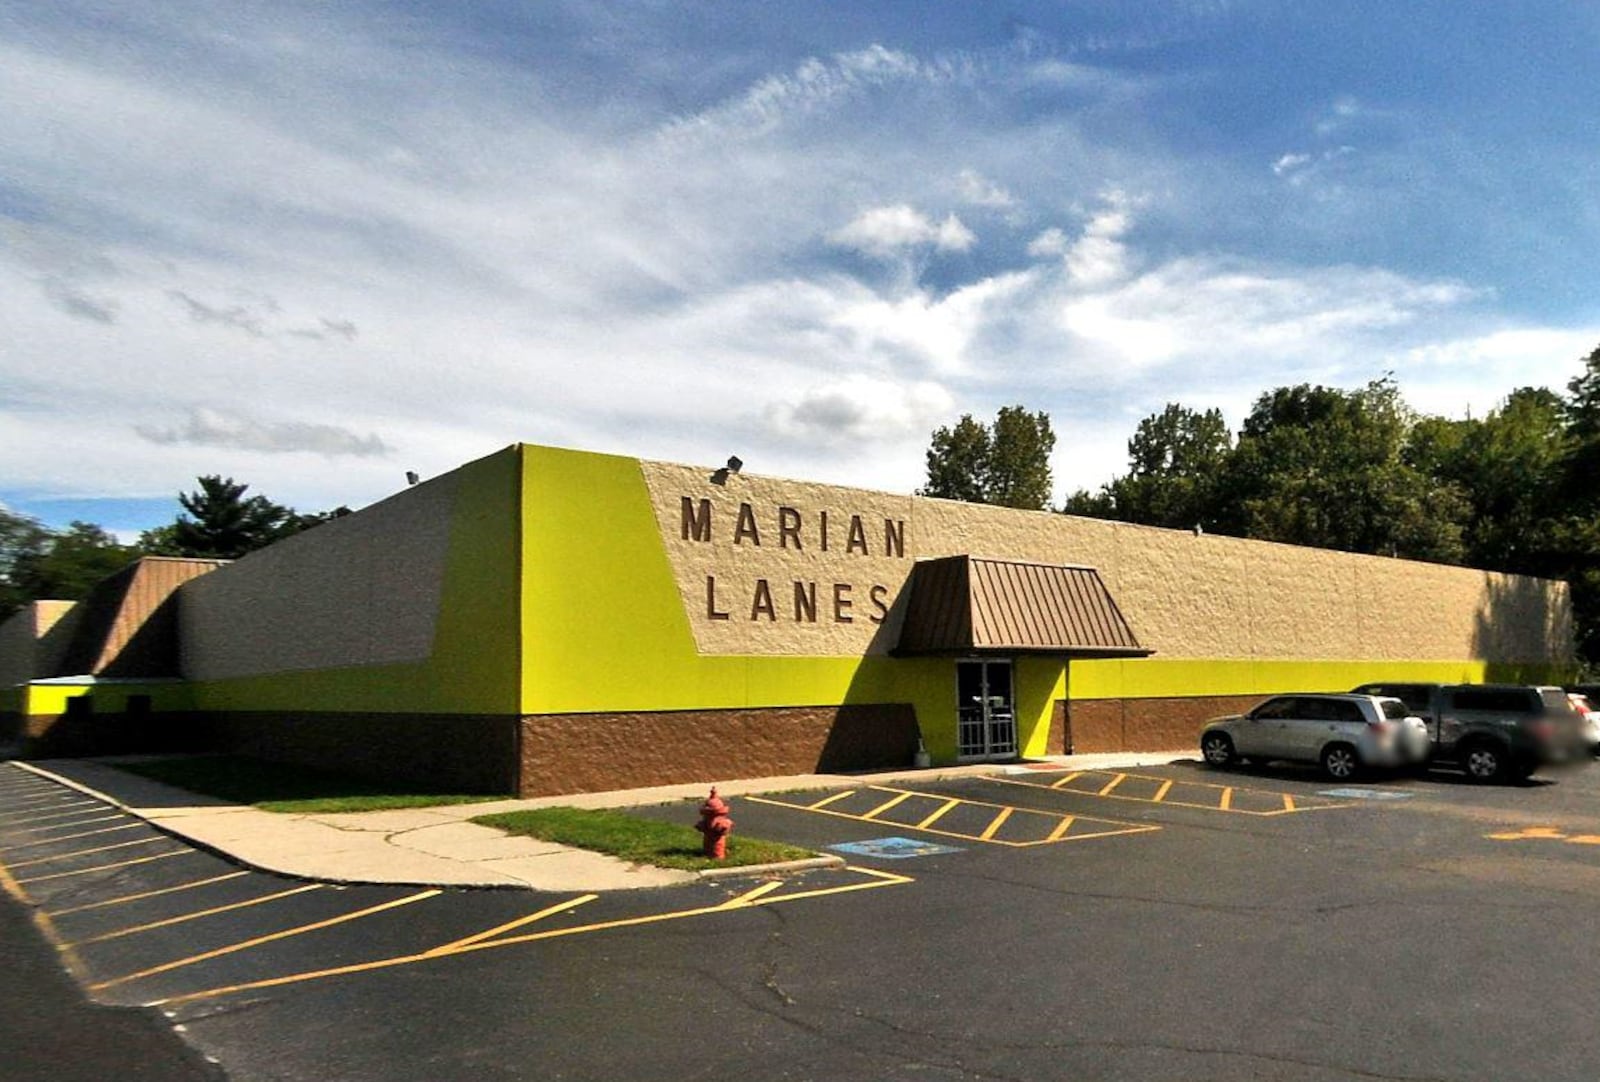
(989, 831)
(749, 897)
(107, 867)
(825, 801)
(71, 837)
(936, 816)
(1226, 802)
(89, 807)
(1161, 793)
(88, 852)
(1064, 781)
(1061, 829)
(878, 879)
(1112, 784)
(69, 957)
(74, 825)
(194, 916)
(259, 940)
(1288, 803)
(142, 895)
(887, 804)
(547, 911)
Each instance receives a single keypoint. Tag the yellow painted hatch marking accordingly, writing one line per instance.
(1543, 834)
(107, 867)
(1062, 828)
(1003, 813)
(750, 900)
(186, 917)
(936, 816)
(825, 801)
(90, 852)
(1224, 795)
(142, 895)
(893, 801)
(74, 826)
(490, 933)
(70, 837)
(995, 824)
(259, 940)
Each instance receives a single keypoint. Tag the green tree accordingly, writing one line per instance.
(958, 462)
(1176, 461)
(1007, 463)
(69, 564)
(21, 539)
(1323, 467)
(223, 523)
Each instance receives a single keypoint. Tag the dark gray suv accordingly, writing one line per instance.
(1494, 732)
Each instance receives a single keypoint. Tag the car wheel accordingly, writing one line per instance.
(1217, 749)
(1340, 762)
(1484, 762)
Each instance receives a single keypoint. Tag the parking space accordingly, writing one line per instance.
(140, 917)
(956, 816)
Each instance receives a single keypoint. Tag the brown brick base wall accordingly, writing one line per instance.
(444, 752)
(578, 753)
(1102, 725)
(42, 736)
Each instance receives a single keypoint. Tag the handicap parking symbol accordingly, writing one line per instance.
(893, 848)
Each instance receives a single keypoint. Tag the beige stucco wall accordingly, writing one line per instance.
(1186, 596)
(359, 590)
(28, 648)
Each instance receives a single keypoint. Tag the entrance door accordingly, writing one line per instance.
(986, 722)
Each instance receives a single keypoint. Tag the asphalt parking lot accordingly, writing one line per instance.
(1160, 922)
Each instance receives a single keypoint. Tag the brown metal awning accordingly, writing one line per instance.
(967, 604)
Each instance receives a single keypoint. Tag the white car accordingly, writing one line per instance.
(1591, 720)
(1345, 733)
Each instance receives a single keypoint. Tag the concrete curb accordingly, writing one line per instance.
(802, 865)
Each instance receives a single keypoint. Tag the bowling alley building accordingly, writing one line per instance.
(547, 621)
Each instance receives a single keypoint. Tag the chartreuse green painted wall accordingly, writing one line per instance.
(1151, 678)
(474, 663)
(603, 626)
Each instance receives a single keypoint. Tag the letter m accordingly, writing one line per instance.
(696, 520)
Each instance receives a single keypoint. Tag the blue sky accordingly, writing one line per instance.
(313, 246)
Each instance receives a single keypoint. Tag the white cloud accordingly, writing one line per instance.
(981, 192)
(885, 232)
(863, 409)
(215, 428)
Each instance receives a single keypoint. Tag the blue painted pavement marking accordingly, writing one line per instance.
(1364, 794)
(893, 848)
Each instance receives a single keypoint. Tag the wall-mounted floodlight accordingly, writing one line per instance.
(720, 475)
(411, 477)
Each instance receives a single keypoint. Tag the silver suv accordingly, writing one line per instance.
(1344, 733)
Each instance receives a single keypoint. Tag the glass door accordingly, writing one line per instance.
(985, 720)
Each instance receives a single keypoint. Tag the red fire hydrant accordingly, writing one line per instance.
(715, 825)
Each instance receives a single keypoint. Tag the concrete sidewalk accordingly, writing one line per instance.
(439, 847)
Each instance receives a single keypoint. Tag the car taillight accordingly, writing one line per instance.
(1543, 728)
(1379, 726)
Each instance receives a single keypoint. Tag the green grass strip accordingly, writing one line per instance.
(281, 787)
(637, 840)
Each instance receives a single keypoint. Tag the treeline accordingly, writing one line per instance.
(1359, 471)
(217, 520)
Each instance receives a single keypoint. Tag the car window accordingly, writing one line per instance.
(1274, 709)
(1394, 709)
(1494, 700)
(1345, 710)
(1556, 701)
